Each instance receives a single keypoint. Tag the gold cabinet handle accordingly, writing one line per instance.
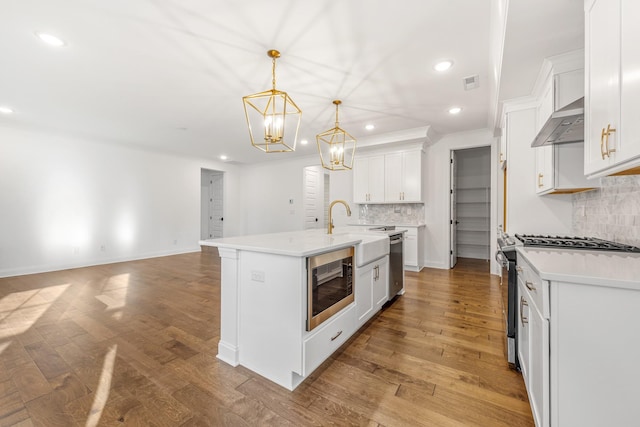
(523, 302)
(609, 130)
(333, 338)
(604, 141)
(529, 285)
(540, 180)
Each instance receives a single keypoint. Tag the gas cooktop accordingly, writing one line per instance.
(587, 243)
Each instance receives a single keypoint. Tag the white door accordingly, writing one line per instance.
(313, 197)
(454, 215)
(216, 207)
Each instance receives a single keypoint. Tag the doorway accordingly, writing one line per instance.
(211, 204)
(470, 200)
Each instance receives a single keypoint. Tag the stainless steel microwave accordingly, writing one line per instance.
(329, 285)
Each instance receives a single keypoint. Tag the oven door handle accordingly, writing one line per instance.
(395, 241)
(501, 258)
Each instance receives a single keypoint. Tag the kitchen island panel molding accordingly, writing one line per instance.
(228, 344)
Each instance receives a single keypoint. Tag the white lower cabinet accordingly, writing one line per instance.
(578, 349)
(371, 288)
(533, 340)
(413, 247)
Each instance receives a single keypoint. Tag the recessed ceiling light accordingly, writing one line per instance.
(454, 110)
(304, 142)
(6, 110)
(443, 65)
(51, 39)
(369, 127)
(223, 157)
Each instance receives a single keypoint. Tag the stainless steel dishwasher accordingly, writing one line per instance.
(396, 264)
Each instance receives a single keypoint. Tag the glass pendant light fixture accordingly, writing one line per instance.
(336, 146)
(272, 116)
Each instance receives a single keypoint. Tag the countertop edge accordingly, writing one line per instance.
(577, 278)
(276, 251)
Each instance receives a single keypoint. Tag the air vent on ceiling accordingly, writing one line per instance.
(471, 82)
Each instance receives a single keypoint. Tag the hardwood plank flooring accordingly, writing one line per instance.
(134, 344)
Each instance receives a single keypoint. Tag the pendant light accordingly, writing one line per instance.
(336, 146)
(272, 116)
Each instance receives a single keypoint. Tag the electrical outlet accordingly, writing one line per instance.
(175, 242)
(103, 248)
(76, 250)
(290, 201)
(257, 276)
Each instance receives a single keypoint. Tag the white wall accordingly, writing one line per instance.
(68, 202)
(438, 183)
(267, 188)
(528, 213)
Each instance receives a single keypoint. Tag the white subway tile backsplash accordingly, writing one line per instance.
(611, 212)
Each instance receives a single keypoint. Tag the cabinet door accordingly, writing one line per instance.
(364, 294)
(411, 249)
(381, 283)
(393, 177)
(602, 60)
(538, 378)
(544, 168)
(360, 179)
(523, 331)
(629, 137)
(376, 179)
(412, 177)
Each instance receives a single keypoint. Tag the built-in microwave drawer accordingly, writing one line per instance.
(328, 338)
(538, 288)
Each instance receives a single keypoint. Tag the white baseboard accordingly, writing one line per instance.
(21, 271)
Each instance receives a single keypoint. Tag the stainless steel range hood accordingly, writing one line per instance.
(564, 125)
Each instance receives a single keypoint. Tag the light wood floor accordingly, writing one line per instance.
(135, 343)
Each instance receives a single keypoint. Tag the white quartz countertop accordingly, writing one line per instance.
(298, 243)
(600, 268)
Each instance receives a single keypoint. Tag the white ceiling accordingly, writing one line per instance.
(170, 75)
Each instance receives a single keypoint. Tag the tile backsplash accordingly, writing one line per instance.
(611, 212)
(401, 213)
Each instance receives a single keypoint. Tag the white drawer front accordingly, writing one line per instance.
(537, 288)
(332, 335)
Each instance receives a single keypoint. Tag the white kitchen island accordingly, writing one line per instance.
(264, 300)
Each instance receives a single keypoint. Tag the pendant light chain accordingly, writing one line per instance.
(273, 72)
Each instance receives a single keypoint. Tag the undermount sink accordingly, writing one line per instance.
(371, 248)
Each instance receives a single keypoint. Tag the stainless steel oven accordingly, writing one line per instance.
(329, 285)
(506, 257)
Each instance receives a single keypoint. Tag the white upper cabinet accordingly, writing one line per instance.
(389, 178)
(368, 179)
(612, 98)
(403, 177)
(559, 167)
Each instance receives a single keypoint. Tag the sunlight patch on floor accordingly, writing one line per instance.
(104, 385)
(114, 294)
(21, 310)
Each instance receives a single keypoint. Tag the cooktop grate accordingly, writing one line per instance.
(587, 243)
